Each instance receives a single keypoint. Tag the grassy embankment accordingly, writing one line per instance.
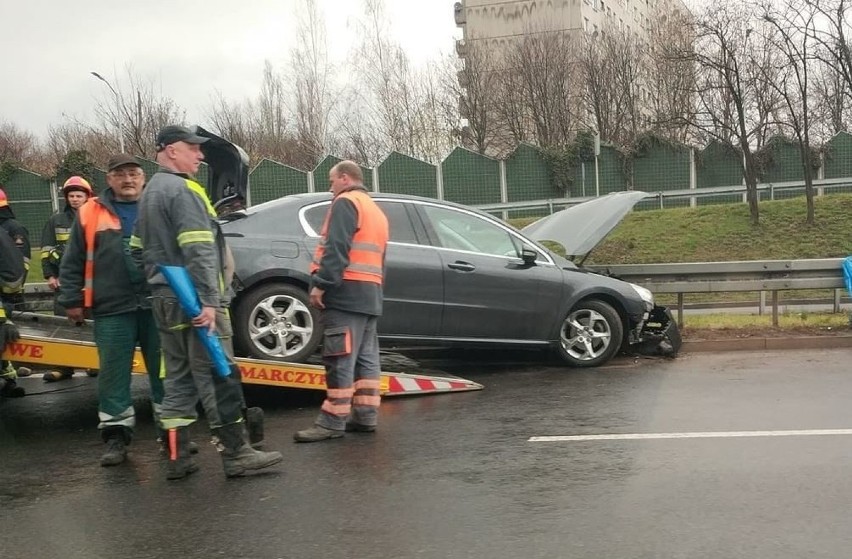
(723, 232)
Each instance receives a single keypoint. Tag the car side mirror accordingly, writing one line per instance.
(529, 256)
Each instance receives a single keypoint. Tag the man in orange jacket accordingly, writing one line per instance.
(346, 284)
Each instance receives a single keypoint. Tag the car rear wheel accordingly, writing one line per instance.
(275, 321)
(591, 334)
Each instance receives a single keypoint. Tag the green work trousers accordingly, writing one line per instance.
(116, 337)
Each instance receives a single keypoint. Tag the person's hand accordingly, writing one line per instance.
(207, 319)
(75, 315)
(316, 297)
(53, 283)
(8, 334)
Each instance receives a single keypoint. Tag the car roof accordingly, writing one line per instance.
(311, 197)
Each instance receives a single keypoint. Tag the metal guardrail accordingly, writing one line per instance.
(555, 204)
(764, 276)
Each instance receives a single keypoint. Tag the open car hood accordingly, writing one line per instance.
(228, 177)
(581, 227)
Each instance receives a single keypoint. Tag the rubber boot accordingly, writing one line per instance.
(237, 454)
(181, 463)
(163, 441)
(254, 425)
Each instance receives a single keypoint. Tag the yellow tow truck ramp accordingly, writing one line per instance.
(49, 341)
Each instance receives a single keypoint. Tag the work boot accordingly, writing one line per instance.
(316, 433)
(117, 439)
(8, 382)
(92, 373)
(254, 425)
(24, 371)
(181, 463)
(9, 388)
(352, 427)
(53, 376)
(237, 454)
(163, 441)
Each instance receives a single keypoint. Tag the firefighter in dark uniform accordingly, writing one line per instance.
(13, 297)
(54, 238)
(12, 274)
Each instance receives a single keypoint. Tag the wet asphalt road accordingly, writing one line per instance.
(455, 475)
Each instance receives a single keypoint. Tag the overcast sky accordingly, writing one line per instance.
(189, 48)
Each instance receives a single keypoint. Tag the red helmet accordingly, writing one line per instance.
(77, 183)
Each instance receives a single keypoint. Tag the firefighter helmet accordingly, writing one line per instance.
(77, 183)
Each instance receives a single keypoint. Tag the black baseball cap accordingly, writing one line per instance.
(120, 160)
(171, 134)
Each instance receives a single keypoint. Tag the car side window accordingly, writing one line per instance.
(401, 230)
(463, 231)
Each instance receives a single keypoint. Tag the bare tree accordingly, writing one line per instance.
(471, 82)
(397, 98)
(548, 83)
(831, 105)
(831, 33)
(18, 147)
(791, 30)
(137, 110)
(670, 90)
(74, 135)
(732, 107)
(312, 87)
(612, 66)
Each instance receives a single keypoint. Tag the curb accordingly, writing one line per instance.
(761, 344)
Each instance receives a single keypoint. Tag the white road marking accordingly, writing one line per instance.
(696, 435)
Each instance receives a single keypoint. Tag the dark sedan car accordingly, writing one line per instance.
(455, 277)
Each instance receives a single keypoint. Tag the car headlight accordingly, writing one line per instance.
(645, 295)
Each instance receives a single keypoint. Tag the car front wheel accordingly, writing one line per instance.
(591, 334)
(275, 321)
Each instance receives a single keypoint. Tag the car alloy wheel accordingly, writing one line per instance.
(276, 322)
(591, 334)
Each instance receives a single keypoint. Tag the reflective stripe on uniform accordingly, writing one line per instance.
(340, 410)
(176, 422)
(200, 236)
(367, 393)
(127, 418)
(93, 218)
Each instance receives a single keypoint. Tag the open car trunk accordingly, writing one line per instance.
(228, 178)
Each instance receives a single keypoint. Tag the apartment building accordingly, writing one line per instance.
(502, 21)
(499, 25)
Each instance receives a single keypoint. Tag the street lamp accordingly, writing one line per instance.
(117, 110)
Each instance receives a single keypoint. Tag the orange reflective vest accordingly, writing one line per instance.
(366, 255)
(93, 218)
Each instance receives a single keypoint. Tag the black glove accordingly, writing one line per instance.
(8, 333)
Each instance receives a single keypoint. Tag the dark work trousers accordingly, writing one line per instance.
(352, 370)
(190, 374)
(116, 337)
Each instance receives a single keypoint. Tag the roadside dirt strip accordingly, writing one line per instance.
(758, 343)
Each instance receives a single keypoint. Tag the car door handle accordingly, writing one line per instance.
(462, 266)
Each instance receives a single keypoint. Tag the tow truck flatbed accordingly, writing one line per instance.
(50, 341)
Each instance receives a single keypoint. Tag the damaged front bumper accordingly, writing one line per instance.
(657, 335)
